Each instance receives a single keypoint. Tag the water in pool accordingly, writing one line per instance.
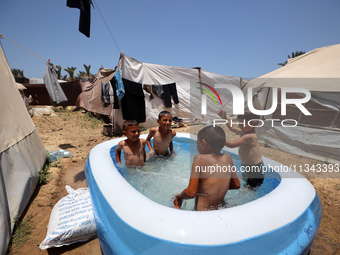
(163, 177)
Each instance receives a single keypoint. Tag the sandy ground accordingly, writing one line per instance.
(79, 133)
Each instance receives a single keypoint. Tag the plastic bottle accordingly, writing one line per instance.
(63, 154)
(51, 157)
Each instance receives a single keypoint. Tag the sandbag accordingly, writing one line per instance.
(71, 220)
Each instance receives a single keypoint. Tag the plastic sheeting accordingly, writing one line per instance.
(186, 79)
(22, 154)
(91, 94)
(310, 142)
(318, 135)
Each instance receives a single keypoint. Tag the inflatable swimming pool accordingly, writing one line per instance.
(283, 221)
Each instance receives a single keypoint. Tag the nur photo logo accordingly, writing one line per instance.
(204, 97)
(238, 102)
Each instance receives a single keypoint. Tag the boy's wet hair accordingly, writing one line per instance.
(163, 113)
(214, 136)
(129, 123)
(248, 116)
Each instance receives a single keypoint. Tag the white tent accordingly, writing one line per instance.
(318, 135)
(187, 82)
(22, 154)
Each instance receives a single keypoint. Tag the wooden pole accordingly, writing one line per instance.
(200, 79)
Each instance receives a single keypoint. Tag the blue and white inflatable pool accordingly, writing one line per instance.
(283, 221)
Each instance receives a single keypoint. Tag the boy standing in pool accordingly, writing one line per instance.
(162, 136)
(212, 173)
(249, 147)
(133, 147)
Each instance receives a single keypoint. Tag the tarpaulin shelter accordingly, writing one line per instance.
(317, 135)
(187, 81)
(86, 92)
(22, 154)
(90, 98)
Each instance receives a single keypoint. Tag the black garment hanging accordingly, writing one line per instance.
(115, 97)
(168, 91)
(133, 103)
(85, 14)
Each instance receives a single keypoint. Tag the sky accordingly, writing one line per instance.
(244, 38)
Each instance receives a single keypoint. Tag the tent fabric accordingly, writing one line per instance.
(319, 72)
(90, 97)
(22, 154)
(13, 110)
(186, 79)
(86, 93)
(309, 142)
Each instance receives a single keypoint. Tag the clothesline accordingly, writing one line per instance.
(1, 35)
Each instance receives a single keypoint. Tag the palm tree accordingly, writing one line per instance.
(87, 70)
(70, 71)
(81, 73)
(294, 54)
(59, 72)
(64, 78)
(17, 72)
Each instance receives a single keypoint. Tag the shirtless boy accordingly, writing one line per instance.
(249, 147)
(162, 136)
(133, 147)
(209, 187)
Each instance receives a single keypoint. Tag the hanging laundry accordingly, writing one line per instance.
(85, 14)
(157, 89)
(168, 91)
(106, 88)
(148, 89)
(52, 85)
(119, 84)
(115, 97)
(133, 103)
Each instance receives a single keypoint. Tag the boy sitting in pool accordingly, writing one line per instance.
(162, 136)
(133, 147)
(212, 173)
(249, 147)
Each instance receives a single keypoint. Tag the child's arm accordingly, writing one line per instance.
(118, 151)
(233, 128)
(173, 134)
(238, 142)
(191, 190)
(188, 193)
(171, 147)
(143, 148)
(148, 139)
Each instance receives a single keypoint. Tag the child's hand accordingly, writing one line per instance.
(222, 114)
(150, 154)
(178, 202)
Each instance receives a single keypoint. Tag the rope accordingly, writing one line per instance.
(41, 57)
(59, 128)
(107, 26)
(22, 47)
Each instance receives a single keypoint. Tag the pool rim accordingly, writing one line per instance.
(210, 221)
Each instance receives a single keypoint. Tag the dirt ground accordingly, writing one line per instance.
(79, 133)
